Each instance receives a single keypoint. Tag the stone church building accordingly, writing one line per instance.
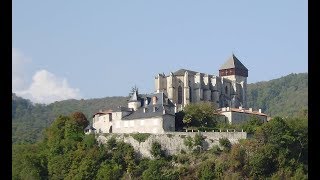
(155, 113)
(226, 90)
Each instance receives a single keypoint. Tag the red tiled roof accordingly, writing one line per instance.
(244, 111)
(103, 112)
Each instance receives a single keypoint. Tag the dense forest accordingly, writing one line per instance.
(285, 96)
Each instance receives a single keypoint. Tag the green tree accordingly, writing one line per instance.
(251, 125)
(238, 157)
(202, 114)
(28, 162)
(89, 165)
(187, 119)
(156, 151)
(109, 171)
(263, 162)
(80, 119)
(188, 141)
(198, 142)
(90, 140)
(111, 143)
(159, 169)
(206, 170)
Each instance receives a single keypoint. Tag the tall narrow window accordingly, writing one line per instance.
(179, 95)
(226, 90)
(190, 94)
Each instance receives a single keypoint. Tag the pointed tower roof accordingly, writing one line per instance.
(134, 96)
(233, 62)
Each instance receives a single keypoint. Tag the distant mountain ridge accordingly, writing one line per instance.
(285, 96)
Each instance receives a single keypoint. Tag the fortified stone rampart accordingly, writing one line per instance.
(171, 142)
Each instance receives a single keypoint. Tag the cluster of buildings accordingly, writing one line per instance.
(155, 113)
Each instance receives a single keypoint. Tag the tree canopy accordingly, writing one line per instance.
(202, 114)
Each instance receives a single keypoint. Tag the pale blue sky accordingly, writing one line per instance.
(103, 48)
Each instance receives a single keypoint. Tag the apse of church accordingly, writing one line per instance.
(226, 90)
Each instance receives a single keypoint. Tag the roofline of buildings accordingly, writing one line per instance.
(241, 110)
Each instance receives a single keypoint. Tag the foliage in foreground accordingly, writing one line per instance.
(278, 150)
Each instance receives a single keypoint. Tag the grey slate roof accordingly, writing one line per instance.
(162, 102)
(138, 114)
(181, 72)
(89, 127)
(233, 62)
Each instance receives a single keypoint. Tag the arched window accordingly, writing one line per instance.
(179, 95)
(226, 90)
(190, 94)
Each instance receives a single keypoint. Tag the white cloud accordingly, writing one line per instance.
(47, 88)
(18, 74)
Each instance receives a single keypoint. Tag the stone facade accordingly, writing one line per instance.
(240, 115)
(227, 89)
(153, 114)
(173, 142)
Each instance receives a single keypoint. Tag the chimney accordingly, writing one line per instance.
(146, 102)
(260, 111)
(154, 100)
(175, 108)
(228, 108)
(240, 107)
(250, 109)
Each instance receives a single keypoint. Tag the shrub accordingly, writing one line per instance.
(156, 151)
(140, 137)
(89, 140)
(188, 141)
(182, 158)
(215, 150)
(198, 139)
(225, 143)
(206, 170)
(111, 143)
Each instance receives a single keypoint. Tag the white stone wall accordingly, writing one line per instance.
(146, 125)
(173, 143)
(101, 123)
(238, 117)
(113, 123)
(134, 105)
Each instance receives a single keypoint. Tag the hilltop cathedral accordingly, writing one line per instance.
(155, 113)
(229, 89)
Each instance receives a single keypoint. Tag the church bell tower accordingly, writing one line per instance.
(235, 71)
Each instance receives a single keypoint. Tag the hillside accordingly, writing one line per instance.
(28, 120)
(285, 96)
